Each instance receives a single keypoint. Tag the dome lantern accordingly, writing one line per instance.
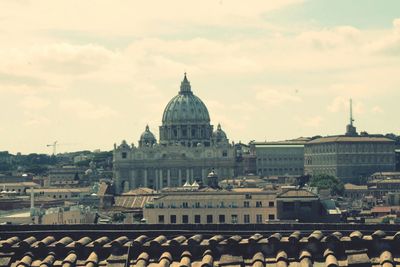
(185, 86)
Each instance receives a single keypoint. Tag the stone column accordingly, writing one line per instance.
(187, 175)
(180, 176)
(118, 185)
(203, 174)
(231, 172)
(191, 174)
(133, 182)
(156, 185)
(160, 178)
(145, 177)
(169, 177)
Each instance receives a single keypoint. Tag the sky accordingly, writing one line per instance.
(92, 73)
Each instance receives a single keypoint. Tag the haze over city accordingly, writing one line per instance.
(89, 77)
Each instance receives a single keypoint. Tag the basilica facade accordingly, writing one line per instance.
(188, 148)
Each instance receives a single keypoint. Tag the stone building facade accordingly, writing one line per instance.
(188, 148)
(280, 158)
(212, 206)
(349, 157)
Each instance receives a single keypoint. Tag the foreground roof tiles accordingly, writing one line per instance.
(203, 249)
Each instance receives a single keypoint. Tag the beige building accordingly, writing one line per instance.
(63, 193)
(356, 191)
(17, 188)
(68, 215)
(190, 205)
(66, 175)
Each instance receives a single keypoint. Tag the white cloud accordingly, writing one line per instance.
(377, 110)
(85, 110)
(135, 17)
(273, 97)
(34, 102)
(331, 38)
(121, 63)
(338, 104)
(342, 104)
(396, 25)
(35, 120)
(313, 121)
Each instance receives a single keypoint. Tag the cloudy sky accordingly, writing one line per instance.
(92, 73)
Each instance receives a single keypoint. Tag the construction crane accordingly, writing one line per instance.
(54, 145)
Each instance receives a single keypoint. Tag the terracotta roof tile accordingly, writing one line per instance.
(142, 259)
(26, 260)
(49, 260)
(92, 260)
(208, 259)
(70, 260)
(195, 248)
(186, 259)
(9, 242)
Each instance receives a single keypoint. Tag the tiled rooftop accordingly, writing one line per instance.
(200, 246)
(338, 139)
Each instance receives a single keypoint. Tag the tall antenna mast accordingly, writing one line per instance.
(350, 129)
(351, 112)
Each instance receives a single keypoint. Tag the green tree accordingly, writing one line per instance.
(325, 181)
(119, 217)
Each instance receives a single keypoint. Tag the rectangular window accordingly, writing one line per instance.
(185, 205)
(221, 218)
(209, 219)
(248, 196)
(259, 218)
(234, 218)
(197, 205)
(246, 218)
(271, 217)
(160, 218)
(271, 204)
(173, 218)
(246, 204)
(258, 204)
(197, 219)
(185, 219)
(124, 155)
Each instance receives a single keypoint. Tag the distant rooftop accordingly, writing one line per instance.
(355, 187)
(344, 139)
(296, 142)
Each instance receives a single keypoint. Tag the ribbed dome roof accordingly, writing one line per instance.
(219, 133)
(185, 108)
(147, 136)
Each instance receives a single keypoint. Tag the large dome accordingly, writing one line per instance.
(186, 119)
(185, 108)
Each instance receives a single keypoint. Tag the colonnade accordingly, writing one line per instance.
(158, 178)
